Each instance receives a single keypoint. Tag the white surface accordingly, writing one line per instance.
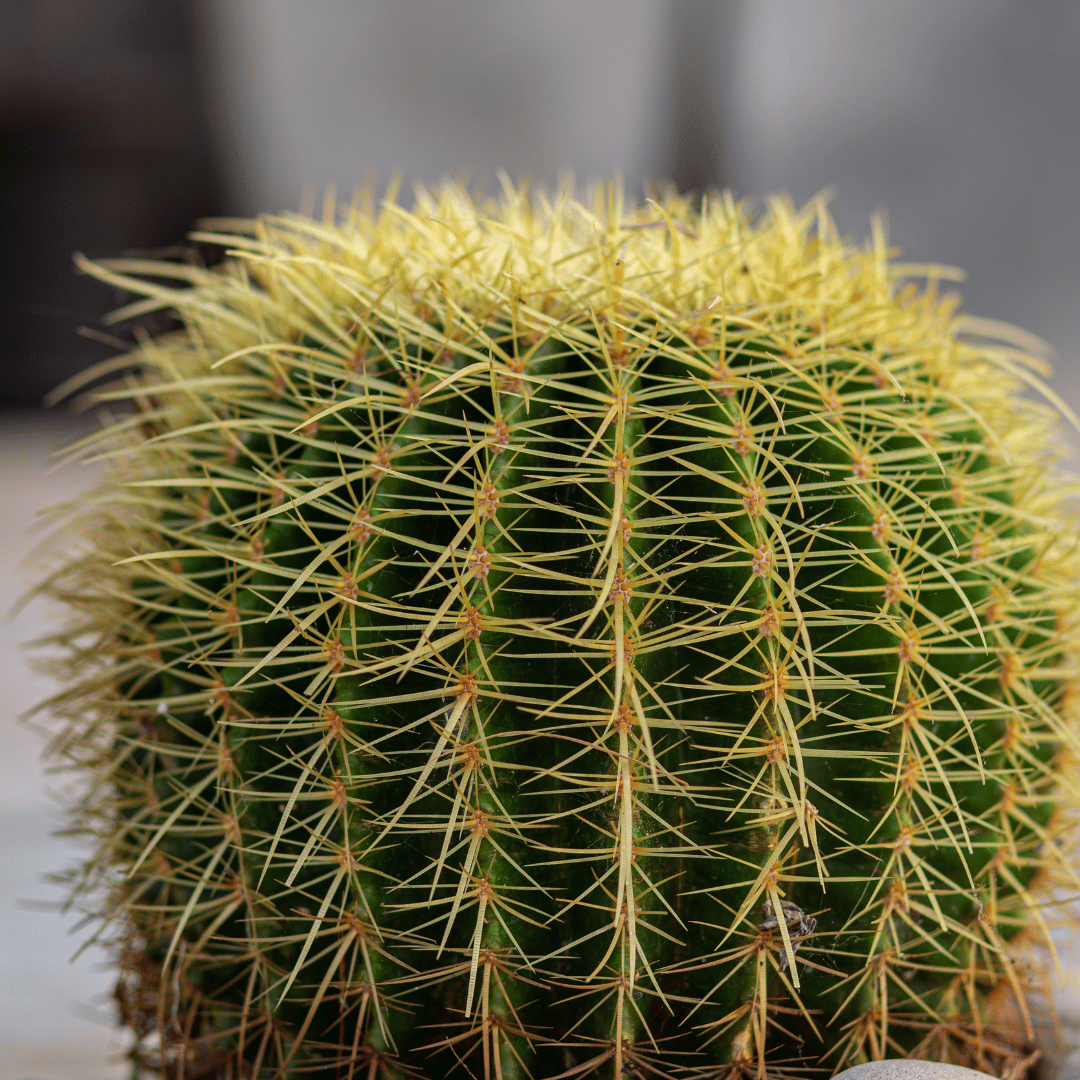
(55, 1016)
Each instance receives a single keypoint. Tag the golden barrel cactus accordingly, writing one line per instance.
(559, 639)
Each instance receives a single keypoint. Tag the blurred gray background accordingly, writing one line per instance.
(122, 121)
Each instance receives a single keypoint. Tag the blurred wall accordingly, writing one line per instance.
(335, 89)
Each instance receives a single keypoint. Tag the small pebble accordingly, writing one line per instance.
(901, 1069)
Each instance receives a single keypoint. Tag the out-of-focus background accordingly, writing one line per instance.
(122, 121)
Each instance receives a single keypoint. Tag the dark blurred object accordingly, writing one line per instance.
(103, 150)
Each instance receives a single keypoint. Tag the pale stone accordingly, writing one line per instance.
(901, 1069)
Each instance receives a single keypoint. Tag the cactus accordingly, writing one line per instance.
(544, 638)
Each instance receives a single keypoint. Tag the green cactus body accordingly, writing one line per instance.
(535, 640)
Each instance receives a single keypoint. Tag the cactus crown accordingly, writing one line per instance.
(558, 639)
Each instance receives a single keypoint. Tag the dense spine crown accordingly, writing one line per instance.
(535, 639)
